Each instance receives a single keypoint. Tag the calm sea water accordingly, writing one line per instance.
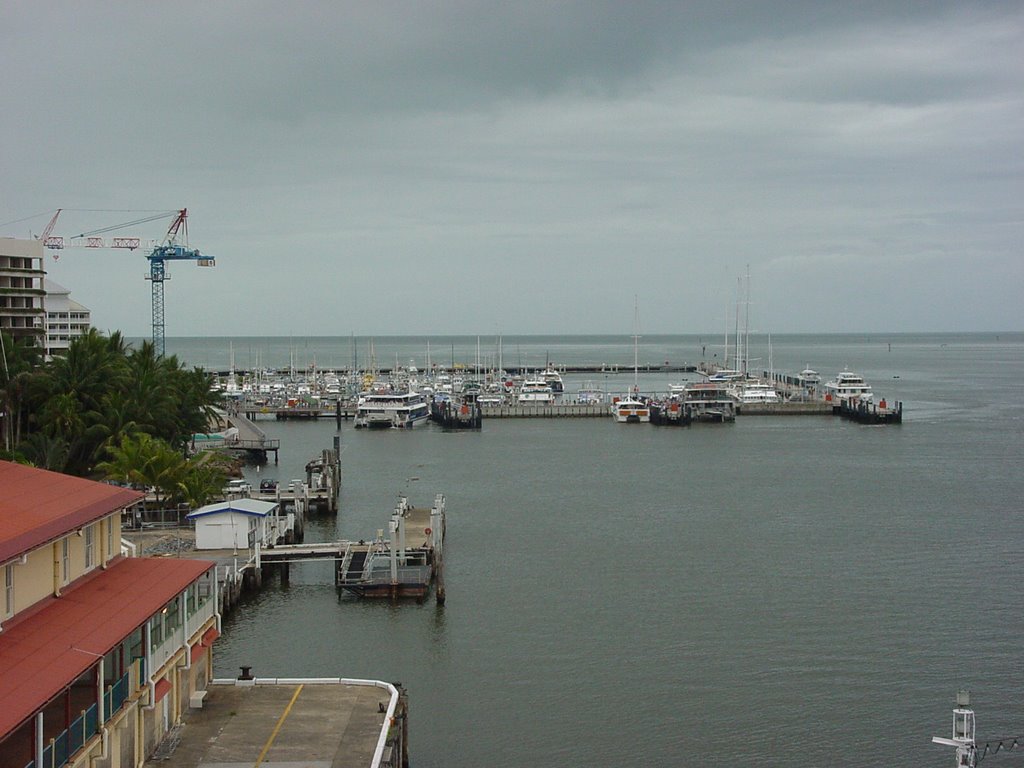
(775, 591)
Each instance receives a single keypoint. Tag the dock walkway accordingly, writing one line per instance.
(250, 439)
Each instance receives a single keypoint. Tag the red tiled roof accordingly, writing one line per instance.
(42, 654)
(37, 506)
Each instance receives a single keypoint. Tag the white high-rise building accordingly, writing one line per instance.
(66, 319)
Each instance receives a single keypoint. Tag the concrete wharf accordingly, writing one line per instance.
(317, 723)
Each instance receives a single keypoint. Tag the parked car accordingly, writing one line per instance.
(237, 488)
(268, 486)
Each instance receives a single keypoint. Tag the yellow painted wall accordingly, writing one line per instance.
(34, 581)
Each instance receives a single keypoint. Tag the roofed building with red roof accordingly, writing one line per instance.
(100, 653)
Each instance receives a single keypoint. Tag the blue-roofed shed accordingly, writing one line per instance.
(237, 524)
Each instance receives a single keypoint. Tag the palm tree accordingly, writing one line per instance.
(145, 461)
(45, 451)
(201, 483)
(97, 394)
(19, 364)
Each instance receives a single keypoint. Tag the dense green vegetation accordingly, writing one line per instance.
(108, 410)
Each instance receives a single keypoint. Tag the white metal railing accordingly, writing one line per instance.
(205, 609)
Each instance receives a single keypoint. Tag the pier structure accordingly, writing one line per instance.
(406, 564)
(862, 412)
(545, 410)
(318, 492)
(250, 439)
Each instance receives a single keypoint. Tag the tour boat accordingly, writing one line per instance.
(535, 392)
(847, 386)
(630, 409)
(385, 408)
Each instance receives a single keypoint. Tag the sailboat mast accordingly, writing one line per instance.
(746, 329)
(636, 340)
(725, 360)
(739, 347)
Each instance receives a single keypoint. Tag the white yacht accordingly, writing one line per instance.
(553, 379)
(535, 392)
(385, 408)
(847, 386)
(725, 374)
(710, 401)
(631, 409)
(755, 392)
(590, 394)
(808, 378)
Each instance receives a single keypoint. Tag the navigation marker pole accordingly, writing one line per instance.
(963, 732)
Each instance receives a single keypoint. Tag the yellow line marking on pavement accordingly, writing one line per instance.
(280, 722)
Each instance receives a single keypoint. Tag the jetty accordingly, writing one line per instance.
(404, 565)
(245, 437)
(317, 493)
(546, 411)
(870, 413)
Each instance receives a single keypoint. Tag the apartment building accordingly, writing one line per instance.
(100, 653)
(21, 289)
(66, 319)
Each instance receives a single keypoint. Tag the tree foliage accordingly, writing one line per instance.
(99, 402)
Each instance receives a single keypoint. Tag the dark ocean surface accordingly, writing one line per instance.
(781, 590)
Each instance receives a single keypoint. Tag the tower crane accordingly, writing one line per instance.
(173, 247)
(170, 250)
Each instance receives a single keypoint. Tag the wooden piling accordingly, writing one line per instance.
(439, 578)
(403, 703)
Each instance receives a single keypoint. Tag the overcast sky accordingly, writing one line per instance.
(527, 167)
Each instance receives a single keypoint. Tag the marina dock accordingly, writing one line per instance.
(405, 564)
(328, 722)
(249, 439)
(546, 411)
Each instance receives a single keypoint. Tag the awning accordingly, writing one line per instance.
(209, 636)
(163, 687)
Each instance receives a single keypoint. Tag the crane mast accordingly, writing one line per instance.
(170, 250)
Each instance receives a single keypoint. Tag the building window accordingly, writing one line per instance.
(110, 537)
(156, 631)
(65, 560)
(8, 591)
(172, 617)
(90, 546)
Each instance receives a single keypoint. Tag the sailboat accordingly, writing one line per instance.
(631, 409)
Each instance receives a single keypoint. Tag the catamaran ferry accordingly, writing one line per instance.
(391, 409)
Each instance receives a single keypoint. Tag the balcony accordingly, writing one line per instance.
(60, 749)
